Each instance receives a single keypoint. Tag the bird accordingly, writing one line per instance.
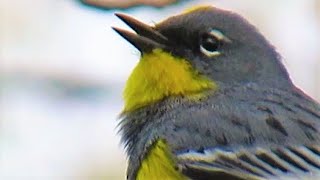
(210, 98)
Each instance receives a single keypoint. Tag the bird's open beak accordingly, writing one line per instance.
(145, 39)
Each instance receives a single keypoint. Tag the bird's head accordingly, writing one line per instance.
(195, 52)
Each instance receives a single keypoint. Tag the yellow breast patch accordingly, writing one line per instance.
(159, 164)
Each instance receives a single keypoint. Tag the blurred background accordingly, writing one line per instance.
(62, 70)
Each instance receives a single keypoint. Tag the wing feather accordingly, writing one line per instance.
(298, 162)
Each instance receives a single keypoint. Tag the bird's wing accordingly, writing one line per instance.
(300, 162)
(272, 135)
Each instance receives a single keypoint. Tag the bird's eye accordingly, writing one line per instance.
(210, 43)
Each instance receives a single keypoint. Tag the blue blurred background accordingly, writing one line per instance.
(62, 71)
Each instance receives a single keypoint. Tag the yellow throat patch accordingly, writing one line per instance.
(159, 75)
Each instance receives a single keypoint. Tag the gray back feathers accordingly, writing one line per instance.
(240, 117)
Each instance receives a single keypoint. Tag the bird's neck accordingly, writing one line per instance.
(159, 75)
